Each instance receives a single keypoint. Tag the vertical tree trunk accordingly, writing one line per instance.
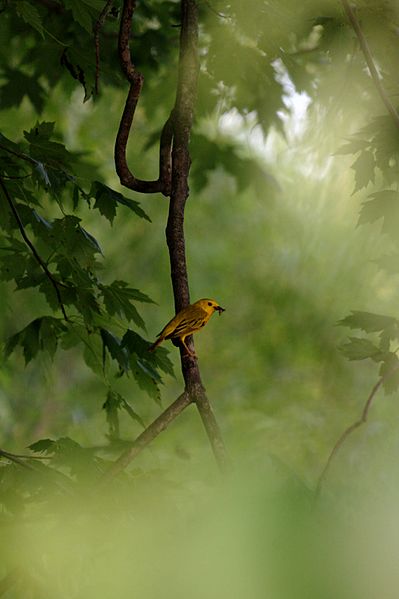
(183, 116)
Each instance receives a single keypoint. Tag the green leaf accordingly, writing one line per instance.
(40, 132)
(364, 167)
(112, 405)
(93, 353)
(41, 334)
(115, 348)
(162, 361)
(30, 15)
(369, 322)
(144, 365)
(107, 201)
(28, 339)
(72, 241)
(43, 149)
(81, 461)
(145, 380)
(360, 349)
(118, 299)
(353, 146)
(225, 153)
(12, 266)
(43, 446)
(81, 13)
(132, 413)
(33, 280)
(17, 86)
(385, 205)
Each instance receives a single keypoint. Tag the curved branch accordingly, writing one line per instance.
(136, 79)
(349, 430)
(32, 248)
(350, 13)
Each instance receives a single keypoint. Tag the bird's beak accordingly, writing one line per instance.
(220, 309)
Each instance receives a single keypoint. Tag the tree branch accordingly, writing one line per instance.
(136, 79)
(32, 248)
(20, 155)
(181, 161)
(176, 131)
(10, 456)
(348, 431)
(150, 433)
(350, 13)
(165, 154)
(14, 458)
(98, 25)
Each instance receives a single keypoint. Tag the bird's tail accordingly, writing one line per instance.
(155, 344)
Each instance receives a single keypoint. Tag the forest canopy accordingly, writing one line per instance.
(270, 130)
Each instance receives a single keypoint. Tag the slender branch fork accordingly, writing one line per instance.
(174, 166)
(350, 429)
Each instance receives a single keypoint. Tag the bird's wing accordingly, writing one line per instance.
(189, 319)
(172, 324)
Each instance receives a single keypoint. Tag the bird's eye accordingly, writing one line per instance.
(209, 303)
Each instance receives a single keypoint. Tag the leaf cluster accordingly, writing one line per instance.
(62, 261)
(379, 350)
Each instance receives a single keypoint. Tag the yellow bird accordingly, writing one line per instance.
(188, 321)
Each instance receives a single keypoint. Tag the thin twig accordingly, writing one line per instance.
(350, 13)
(98, 25)
(17, 178)
(10, 455)
(13, 458)
(32, 248)
(353, 427)
(19, 155)
(148, 435)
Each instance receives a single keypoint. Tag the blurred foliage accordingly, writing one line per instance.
(288, 126)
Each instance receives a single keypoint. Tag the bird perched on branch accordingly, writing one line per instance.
(188, 321)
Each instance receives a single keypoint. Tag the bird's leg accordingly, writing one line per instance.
(190, 353)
